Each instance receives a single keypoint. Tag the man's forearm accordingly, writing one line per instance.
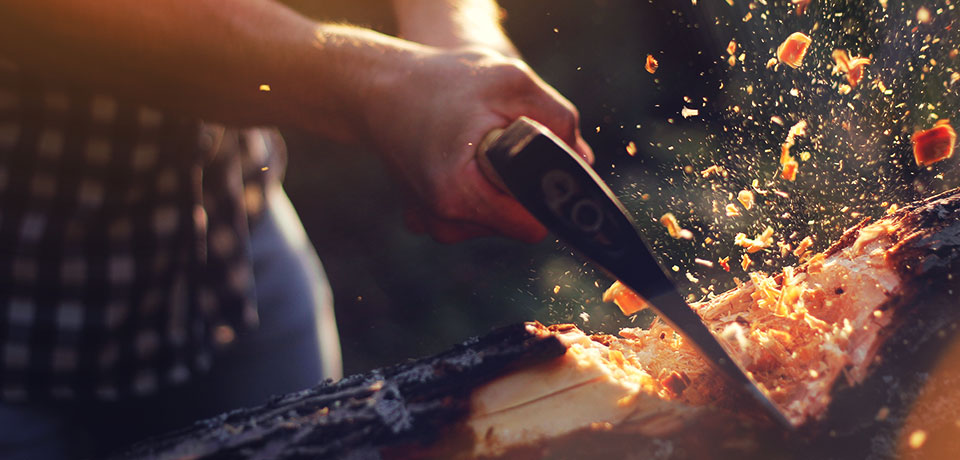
(453, 23)
(207, 57)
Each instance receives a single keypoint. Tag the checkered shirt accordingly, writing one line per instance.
(124, 249)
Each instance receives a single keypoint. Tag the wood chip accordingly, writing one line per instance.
(628, 301)
(762, 241)
(934, 144)
(793, 49)
(724, 263)
(803, 246)
(745, 197)
(852, 67)
(669, 221)
(745, 262)
(651, 64)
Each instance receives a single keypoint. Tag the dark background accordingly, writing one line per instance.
(401, 296)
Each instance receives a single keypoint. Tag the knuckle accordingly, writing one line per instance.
(513, 71)
(476, 53)
(574, 113)
(569, 120)
(518, 64)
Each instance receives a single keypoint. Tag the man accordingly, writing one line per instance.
(135, 240)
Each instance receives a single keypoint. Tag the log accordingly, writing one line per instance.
(858, 345)
(407, 405)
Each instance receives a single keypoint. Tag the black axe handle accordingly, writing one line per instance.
(567, 196)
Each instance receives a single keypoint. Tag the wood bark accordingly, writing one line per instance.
(429, 408)
(400, 407)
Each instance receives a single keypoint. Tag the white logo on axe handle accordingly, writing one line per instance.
(560, 188)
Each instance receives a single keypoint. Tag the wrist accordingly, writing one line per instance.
(386, 84)
(453, 24)
(346, 79)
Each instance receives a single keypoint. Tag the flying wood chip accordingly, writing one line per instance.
(803, 246)
(732, 210)
(669, 221)
(787, 161)
(793, 49)
(629, 302)
(934, 144)
(745, 197)
(745, 262)
(852, 67)
(651, 64)
(724, 263)
(762, 241)
(790, 167)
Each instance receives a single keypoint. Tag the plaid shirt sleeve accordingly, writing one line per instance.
(124, 252)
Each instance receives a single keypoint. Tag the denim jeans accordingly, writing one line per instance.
(295, 347)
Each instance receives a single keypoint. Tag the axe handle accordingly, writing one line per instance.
(565, 194)
(484, 161)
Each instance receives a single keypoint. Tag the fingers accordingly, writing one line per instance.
(582, 148)
(485, 211)
(455, 200)
(547, 106)
(499, 211)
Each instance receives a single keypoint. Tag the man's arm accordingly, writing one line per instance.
(423, 108)
(453, 24)
(207, 57)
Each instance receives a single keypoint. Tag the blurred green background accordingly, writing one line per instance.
(401, 296)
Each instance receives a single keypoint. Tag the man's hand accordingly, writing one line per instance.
(428, 121)
(460, 94)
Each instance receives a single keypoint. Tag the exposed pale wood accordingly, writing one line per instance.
(452, 405)
(904, 266)
(402, 406)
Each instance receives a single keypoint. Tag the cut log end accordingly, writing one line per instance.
(855, 344)
(811, 337)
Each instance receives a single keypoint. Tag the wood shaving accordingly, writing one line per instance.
(651, 64)
(713, 170)
(745, 262)
(762, 241)
(732, 210)
(724, 263)
(628, 301)
(788, 163)
(793, 49)
(934, 144)
(669, 221)
(852, 67)
(803, 246)
(745, 197)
